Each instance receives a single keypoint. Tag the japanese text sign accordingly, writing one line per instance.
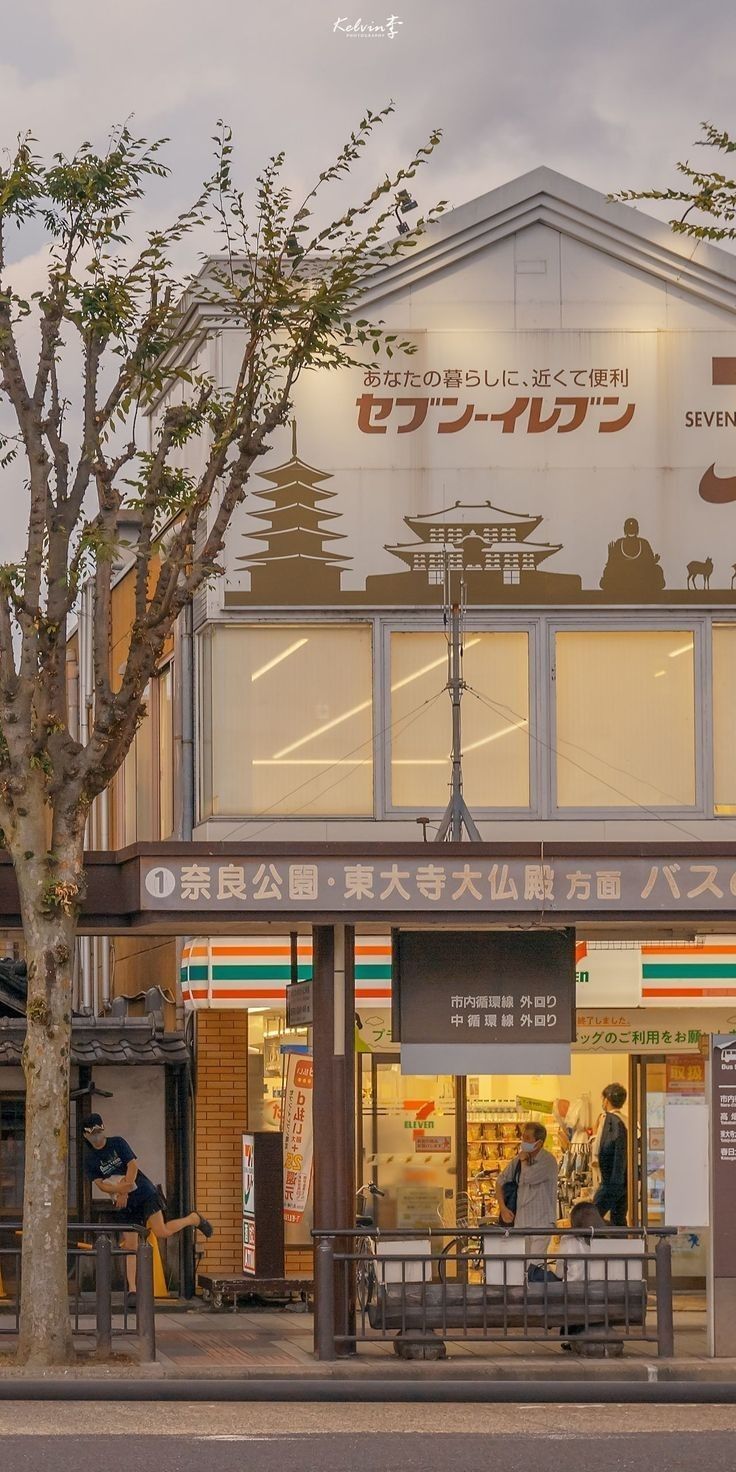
(482, 885)
(298, 1135)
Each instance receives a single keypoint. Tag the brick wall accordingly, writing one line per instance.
(221, 1113)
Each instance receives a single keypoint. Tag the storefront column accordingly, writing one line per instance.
(334, 1096)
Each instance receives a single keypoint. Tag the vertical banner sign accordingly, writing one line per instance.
(723, 1116)
(249, 1204)
(298, 1136)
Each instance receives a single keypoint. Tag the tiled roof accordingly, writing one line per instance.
(98, 1041)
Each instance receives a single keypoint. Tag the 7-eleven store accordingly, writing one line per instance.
(643, 1015)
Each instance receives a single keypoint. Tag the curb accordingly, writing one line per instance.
(477, 1392)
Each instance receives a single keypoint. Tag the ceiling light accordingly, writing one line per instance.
(312, 761)
(320, 730)
(496, 735)
(684, 649)
(264, 669)
(425, 669)
(659, 673)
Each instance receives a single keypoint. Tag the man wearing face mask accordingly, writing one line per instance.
(535, 1173)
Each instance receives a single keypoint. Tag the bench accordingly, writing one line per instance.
(605, 1289)
(440, 1306)
(216, 1290)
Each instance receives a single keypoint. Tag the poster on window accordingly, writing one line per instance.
(298, 1136)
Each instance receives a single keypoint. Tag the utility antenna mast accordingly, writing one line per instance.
(457, 814)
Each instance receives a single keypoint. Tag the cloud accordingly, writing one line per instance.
(611, 95)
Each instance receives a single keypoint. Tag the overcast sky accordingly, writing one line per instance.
(611, 94)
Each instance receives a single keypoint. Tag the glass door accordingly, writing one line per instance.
(405, 1144)
(648, 1093)
(661, 1088)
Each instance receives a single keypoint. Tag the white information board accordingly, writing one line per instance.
(686, 1154)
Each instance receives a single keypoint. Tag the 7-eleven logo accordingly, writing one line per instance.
(420, 1111)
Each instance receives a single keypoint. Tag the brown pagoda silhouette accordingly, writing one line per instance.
(295, 566)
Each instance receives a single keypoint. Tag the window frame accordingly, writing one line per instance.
(623, 622)
(289, 619)
(717, 619)
(542, 627)
(475, 622)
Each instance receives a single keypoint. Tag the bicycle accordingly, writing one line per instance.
(466, 1253)
(365, 1271)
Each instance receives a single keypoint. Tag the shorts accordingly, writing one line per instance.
(137, 1214)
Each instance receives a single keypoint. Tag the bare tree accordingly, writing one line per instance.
(107, 329)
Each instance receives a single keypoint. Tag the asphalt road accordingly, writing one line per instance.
(395, 1452)
(319, 1438)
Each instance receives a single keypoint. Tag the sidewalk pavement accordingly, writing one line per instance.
(195, 1343)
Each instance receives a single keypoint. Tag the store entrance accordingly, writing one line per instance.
(436, 1145)
(668, 1155)
(406, 1145)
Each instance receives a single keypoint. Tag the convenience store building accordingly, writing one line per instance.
(433, 1144)
(558, 440)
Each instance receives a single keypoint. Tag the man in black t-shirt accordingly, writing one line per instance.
(112, 1166)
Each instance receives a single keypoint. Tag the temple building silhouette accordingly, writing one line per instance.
(491, 546)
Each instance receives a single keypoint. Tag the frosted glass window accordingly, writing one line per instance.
(724, 717)
(625, 719)
(287, 721)
(495, 720)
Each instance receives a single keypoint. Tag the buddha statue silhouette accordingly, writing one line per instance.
(632, 570)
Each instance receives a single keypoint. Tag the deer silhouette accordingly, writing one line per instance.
(699, 570)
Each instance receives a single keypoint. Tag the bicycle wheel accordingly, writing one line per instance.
(460, 1255)
(365, 1276)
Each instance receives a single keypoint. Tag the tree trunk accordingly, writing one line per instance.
(49, 927)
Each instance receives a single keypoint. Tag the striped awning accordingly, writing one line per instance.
(698, 975)
(255, 971)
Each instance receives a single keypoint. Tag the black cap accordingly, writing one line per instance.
(93, 1122)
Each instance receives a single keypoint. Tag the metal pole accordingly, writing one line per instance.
(457, 814)
(456, 790)
(145, 1311)
(665, 1314)
(324, 1319)
(103, 1292)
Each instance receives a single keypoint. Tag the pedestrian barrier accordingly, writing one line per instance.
(96, 1308)
(160, 1289)
(423, 1289)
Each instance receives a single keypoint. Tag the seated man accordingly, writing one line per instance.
(112, 1166)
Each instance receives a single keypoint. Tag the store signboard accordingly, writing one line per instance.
(637, 1030)
(300, 1004)
(396, 885)
(566, 417)
(298, 1135)
(249, 1175)
(607, 977)
(723, 1154)
(686, 1076)
(484, 1002)
(249, 1245)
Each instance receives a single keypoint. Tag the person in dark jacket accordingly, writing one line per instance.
(612, 1148)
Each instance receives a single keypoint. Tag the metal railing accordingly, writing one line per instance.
(492, 1283)
(95, 1307)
